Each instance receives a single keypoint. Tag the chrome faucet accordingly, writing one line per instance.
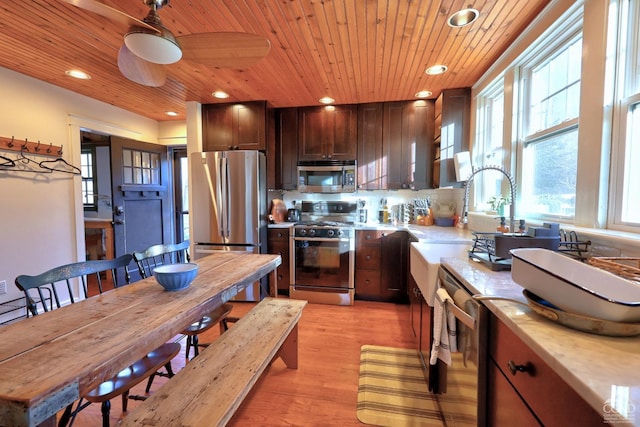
(512, 187)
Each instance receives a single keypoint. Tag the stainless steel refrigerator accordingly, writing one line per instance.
(229, 206)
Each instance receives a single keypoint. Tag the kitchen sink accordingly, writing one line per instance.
(425, 258)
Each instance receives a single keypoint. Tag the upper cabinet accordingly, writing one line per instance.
(407, 144)
(286, 150)
(239, 126)
(452, 119)
(370, 146)
(327, 133)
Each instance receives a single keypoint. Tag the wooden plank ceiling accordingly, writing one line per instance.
(354, 51)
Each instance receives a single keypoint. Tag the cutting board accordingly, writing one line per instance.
(278, 211)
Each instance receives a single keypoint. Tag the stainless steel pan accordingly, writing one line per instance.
(571, 320)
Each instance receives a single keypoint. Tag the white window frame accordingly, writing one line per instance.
(627, 95)
(543, 50)
(485, 153)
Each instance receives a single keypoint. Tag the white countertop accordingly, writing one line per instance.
(602, 370)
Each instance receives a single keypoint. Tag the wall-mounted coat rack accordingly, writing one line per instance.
(31, 147)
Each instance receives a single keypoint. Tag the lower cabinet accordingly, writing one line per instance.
(525, 391)
(381, 265)
(278, 243)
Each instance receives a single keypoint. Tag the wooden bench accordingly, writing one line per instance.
(211, 387)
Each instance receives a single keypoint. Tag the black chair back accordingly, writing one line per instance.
(45, 289)
(157, 255)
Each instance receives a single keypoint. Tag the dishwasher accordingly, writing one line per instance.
(463, 385)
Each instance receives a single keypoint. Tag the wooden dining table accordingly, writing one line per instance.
(51, 360)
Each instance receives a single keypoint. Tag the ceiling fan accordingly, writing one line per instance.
(149, 45)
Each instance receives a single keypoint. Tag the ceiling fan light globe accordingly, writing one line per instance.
(157, 48)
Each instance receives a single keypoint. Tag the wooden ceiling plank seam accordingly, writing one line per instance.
(388, 39)
(315, 43)
(370, 28)
(293, 18)
(335, 87)
(354, 43)
(475, 40)
(486, 58)
(343, 60)
(427, 45)
(478, 40)
(351, 58)
(412, 62)
(407, 71)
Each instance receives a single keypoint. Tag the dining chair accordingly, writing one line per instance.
(162, 254)
(50, 290)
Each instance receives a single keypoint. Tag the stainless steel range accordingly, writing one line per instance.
(322, 249)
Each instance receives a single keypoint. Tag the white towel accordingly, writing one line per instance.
(444, 329)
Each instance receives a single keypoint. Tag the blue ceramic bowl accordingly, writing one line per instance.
(175, 277)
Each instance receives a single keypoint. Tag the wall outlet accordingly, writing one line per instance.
(3, 287)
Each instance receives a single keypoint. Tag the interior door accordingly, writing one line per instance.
(141, 196)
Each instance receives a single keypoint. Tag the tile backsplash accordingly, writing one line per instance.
(373, 199)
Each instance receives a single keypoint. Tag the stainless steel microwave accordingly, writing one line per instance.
(327, 177)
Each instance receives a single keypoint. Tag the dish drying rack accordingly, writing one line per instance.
(484, 248)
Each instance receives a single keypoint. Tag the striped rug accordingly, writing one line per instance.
(392, 390)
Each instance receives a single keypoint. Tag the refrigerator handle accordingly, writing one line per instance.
(224, 198)
(214, 191)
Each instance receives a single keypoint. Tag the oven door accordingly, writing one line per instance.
(323, 263)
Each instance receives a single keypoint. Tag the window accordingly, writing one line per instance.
(490, 140)
(551, 101)
(625, 168)
(89, 184)
(140, 167)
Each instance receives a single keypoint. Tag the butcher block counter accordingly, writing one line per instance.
(49, 361)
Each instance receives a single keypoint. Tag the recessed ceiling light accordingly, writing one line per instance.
(77, 74)
(171, 113)
(423, 94)
(463, 17)
(436, 69)
(220, 94)
(327, 100)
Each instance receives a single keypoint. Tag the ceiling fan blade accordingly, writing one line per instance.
(109, 12)
(224, 49)
(140, 71)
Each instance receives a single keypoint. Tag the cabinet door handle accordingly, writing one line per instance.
(514, 369)
(279, 234)
(367, 281)
(368, 237)
(368, 257)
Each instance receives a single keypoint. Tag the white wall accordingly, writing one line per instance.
(41, 216)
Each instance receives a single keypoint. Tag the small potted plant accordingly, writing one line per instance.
(498, 203)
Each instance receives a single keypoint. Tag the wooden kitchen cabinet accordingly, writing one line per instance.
(407, 144)
(370, 159)
(278, 243)
(286, 150)
(381, 265)
(327, 133)
(452, 133)
(538, 393)
(238, 126)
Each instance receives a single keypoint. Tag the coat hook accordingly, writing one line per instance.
(38, 147)
(25, 146)
(10, 144)
(60, 151)
(50, 145)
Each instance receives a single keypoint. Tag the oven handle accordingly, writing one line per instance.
(462, 316)
(321, 239)
(459, 313)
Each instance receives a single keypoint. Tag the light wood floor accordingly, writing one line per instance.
(323, 390)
